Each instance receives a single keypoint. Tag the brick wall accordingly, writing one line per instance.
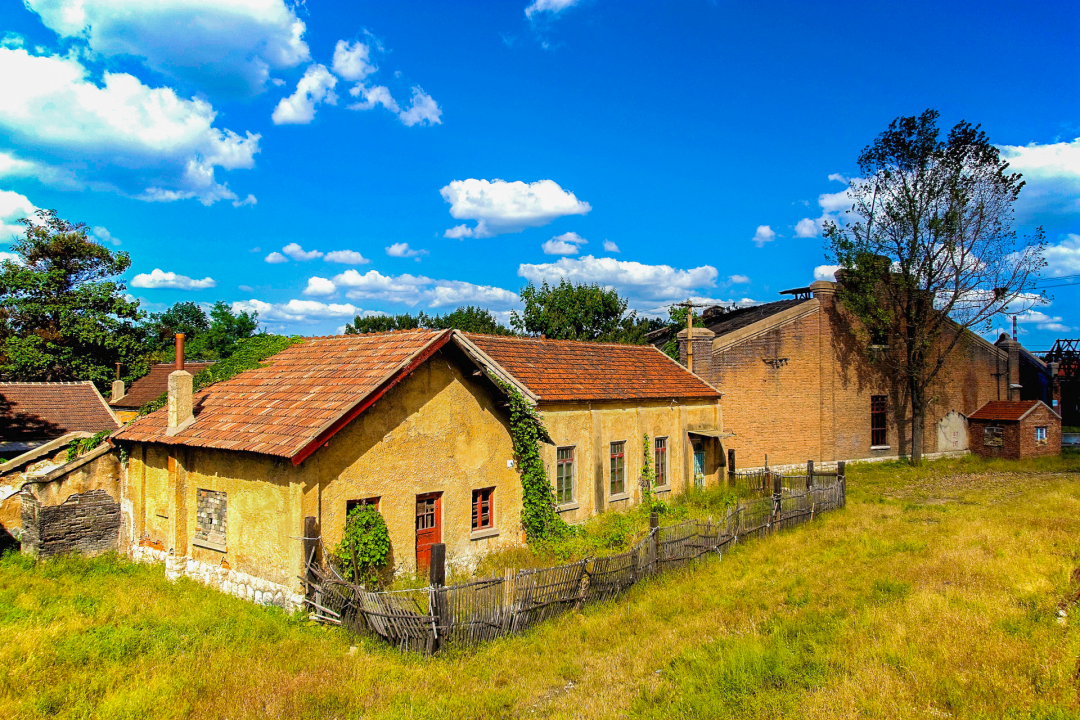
(801, 389)
(87, 523)
(1041, 416)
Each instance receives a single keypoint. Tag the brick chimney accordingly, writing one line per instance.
(1014, 369)
(180, 391)
(703, 338)
(117, 386)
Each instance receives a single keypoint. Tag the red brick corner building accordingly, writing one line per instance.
(1015, 429)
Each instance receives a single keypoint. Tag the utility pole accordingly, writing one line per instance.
(690, 330)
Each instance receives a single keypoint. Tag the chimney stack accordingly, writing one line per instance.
(180, 392)
(117, 386)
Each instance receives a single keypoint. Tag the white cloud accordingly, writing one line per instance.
(1052, 176)
(346, 257)
(121, 136)
(5, 256)
(296, 310)
(159, 279)
(1061, 259)
(1043, 321)
(764, 234)
(610, 247)
(826, 272)
(298, 253)
(738, 279)
(276, 258)
(220, 47)
(565, 244)
(806, 228)
(12, 207)
(838, 178)
(315, 88)
(415, 289)
(103, 236)
(632, 278)
(320, 286)
(553, 7)
(507, 207)
(373, 96)
(352, 60)
(422, 109)
(404, 251)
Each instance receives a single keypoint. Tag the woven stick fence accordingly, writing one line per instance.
(468, 614)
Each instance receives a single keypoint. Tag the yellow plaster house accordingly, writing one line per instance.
(218, 485)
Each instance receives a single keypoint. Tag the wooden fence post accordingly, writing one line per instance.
(778, 494)
(809, 474)
(438, 581)
(311, 534)
(731, 463)
(654, 527)
(842, 479)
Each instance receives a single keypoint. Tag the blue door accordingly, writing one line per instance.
(699, 465)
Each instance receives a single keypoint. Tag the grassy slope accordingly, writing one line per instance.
(934, 594)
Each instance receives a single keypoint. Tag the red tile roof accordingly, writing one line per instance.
(153, 385)
(565, 371)
(1004, 410)
(299, 397)
(49, 410)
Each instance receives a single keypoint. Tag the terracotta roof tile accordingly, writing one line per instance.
(49, 410)
(152, 385)
(1003, 410)
(280, 408)
(565, 371)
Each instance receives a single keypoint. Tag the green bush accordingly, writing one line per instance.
(365, 546)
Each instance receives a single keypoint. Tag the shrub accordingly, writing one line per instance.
(365, 546)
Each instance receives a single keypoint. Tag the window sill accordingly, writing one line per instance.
(619, 498)
(662, 489)
(209, 545)
(880, 447)
(483, 534)
(567, 506)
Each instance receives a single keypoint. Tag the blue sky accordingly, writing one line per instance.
(319, 160)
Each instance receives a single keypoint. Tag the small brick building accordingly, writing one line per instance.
(1015, 429)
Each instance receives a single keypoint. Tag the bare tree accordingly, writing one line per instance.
(928, 249)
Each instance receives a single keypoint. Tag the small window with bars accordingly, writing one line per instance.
(660, 460)
(878, 421)
(483, 509)
(618, 467)
(564, 475)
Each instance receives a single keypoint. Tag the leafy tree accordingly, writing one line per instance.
(930, 251)
(206, 337)
(63, 310)
(381, 323)
(183, 317)
(569, 311)
(467, 319)
(227, 329)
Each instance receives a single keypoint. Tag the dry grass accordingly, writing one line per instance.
(936, 593)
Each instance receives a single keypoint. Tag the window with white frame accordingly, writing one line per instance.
(564, 475)
(1040, 435)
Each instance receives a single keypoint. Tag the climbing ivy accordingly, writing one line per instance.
(365, 546)
(538, 516)
(84, 445)
(648, 479)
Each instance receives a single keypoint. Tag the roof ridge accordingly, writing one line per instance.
(36, 382)
(590, 343)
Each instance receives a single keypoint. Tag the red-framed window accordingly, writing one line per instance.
(564, 475)
(878, 421)
(483, 509)
(660, 460)
(350, 504)
(618, 467)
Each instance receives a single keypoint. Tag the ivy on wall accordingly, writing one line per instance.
(538, 516)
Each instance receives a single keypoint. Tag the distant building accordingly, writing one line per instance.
(1015, 429)
(32, 414)
(147, 388)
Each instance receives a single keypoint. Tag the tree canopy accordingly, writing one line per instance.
(64, 314)
(571, 311)
(929, 250)
(210, 336)
(467, 319)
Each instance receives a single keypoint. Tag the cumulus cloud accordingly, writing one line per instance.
(610, 247)
(633, 278)
(126, 137)
(806, 228)
(297, 310)
(833, 207)
(346, 257)
(1061, 259)
(1052, 174)
(373, 96)
(838, 178)
(315, 88)
(1042, 321)
(764, 234)
(565, 244)
(422, 109)
(826, 272)
(550, 7)
(158, 279)
(738, 279)
(276, 258)
(403, 250)
(500, 207)
(320, 286)
(352, 60)
(298, 253)
(12, 207)
(221, 47)
(103, 236)
(416, 289)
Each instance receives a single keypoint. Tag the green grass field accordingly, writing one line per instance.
(947, 591)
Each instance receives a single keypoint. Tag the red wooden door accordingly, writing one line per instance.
(428, 528)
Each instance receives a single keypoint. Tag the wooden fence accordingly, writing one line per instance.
(430, 618)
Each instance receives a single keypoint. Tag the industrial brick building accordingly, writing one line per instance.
(798, 384)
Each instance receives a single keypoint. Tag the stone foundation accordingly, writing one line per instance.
(247, 587)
